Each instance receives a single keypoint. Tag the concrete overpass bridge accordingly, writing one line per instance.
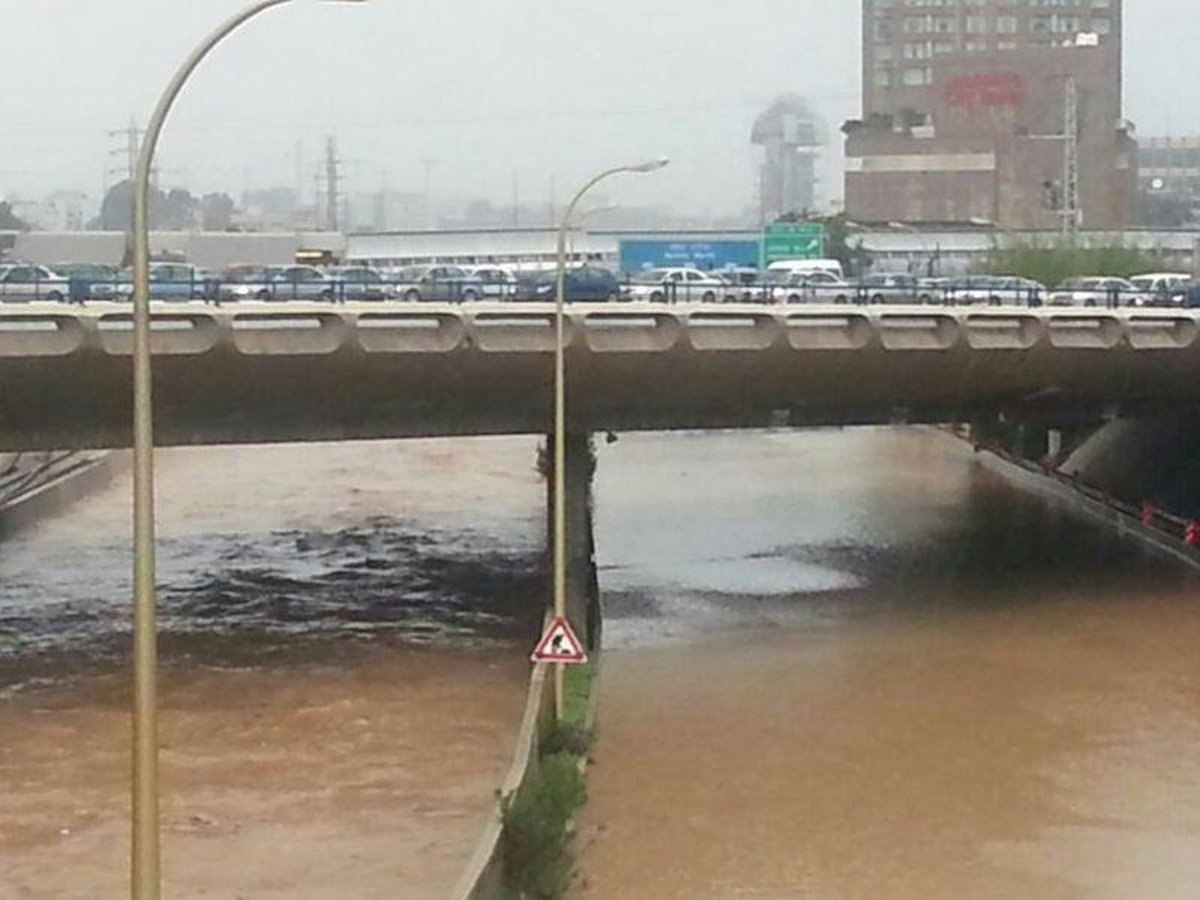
(304, 372)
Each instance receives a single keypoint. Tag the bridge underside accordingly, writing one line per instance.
(271, 373)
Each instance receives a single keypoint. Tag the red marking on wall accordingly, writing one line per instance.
(988, 89)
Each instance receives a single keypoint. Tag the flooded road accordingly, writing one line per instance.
(855, 665)
(345, 640)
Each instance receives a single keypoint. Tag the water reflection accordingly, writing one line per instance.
(998, 701)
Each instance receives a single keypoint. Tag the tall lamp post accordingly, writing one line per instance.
(146, 882)
(560, 405)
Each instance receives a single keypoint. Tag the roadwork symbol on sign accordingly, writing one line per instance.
(559, 645)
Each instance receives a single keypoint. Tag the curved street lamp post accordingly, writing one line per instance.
(560, 406)
(145, 854)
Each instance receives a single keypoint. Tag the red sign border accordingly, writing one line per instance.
(541, 651)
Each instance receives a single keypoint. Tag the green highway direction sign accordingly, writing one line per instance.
(792, 240)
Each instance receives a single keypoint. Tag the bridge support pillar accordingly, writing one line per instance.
(583, 593)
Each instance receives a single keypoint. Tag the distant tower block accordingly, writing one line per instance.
(792, 137)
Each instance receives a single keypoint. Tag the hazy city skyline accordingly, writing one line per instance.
(493, 93)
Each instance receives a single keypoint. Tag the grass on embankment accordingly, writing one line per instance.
(539, 857)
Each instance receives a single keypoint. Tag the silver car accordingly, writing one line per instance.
(303, 283)
(168, 281)
(1107, 292)
(995, 290)
(496, 283)
(362, 283)
(890, 288)
(453, 283)
(283, 283)
(23, 282)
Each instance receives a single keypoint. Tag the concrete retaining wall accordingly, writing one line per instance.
(483, 878)
(55, 496)
(1097, 509)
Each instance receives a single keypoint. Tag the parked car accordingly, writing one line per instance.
(496, 283)
(452, 283)
(743, 284)
(581, 284)
(1188, 295)
(934, 290)
(168, 281)
(303, 283)
(1101, 291)
(87, 281)
(22, 282)
(244, 282)
(891, 288)
(793, 286)
(362, 283)
(281, 283)
(808, 266)
(994, 290)
(1158, 289)
(676, 285)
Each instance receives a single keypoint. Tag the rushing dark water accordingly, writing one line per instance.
(856, 665)
(345, 637)
(281, 552)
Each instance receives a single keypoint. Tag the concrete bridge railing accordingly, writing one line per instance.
(283, 372)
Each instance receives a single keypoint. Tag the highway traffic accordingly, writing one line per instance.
(792, 282)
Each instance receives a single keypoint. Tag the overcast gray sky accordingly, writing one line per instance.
(488, 89)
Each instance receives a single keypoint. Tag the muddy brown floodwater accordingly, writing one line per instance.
(856, 665)
(346, 631)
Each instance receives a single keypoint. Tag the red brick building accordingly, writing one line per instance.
(965, 105)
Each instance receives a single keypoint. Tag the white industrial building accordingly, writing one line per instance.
(942, 252)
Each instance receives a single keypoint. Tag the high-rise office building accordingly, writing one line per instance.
(966, 105)
(792, 137)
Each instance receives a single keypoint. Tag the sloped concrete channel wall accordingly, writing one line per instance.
(54, 495)
(1161, 535)
(484, 875)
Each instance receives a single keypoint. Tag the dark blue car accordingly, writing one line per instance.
(1187, 295)
(583, 284)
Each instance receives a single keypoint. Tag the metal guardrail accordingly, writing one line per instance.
(855, 293)
(1186, 531)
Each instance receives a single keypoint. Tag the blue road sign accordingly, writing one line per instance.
(638, 255)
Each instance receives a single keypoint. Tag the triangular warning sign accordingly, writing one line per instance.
(559, 645)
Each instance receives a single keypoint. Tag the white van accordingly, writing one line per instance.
(808, 266)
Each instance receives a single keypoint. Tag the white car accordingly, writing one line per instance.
(808, 267)
(818, 286)
(1103, 292)
(22, 282)
(1158, 289)
(677, 286)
